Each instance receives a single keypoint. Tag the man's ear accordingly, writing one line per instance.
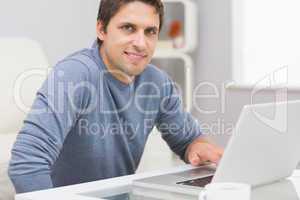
(100, 30)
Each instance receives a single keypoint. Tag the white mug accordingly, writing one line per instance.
(226, 191)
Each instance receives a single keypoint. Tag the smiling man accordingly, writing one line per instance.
(92, 116)
(130, 39)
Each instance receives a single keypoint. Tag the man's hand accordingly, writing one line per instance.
(201, 150)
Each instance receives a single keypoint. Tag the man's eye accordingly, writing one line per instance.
(127, 28)
(151, 32)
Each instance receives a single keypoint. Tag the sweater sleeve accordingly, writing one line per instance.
(55, 109)
(177, 126)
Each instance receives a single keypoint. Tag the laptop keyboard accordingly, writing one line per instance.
(199, 182)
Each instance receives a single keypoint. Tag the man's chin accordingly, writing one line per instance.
(136, 71)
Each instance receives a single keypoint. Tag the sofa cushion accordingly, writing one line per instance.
(6, 188)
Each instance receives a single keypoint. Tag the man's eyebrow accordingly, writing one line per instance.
(134, 25)
(152, 27)
(127, 23)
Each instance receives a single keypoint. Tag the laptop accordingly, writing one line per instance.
(264, 148)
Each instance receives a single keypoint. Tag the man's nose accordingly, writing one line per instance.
(140, 40)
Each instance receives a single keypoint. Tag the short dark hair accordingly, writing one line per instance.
(109, 8)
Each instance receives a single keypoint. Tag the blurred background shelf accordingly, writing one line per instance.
(179, 67)
(178, 38)
(180, 19)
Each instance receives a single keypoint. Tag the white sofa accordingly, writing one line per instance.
(6, 187)
(24, 68)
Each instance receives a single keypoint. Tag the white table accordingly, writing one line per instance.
(288, 189)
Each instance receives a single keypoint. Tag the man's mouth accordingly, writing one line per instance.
(135, 57)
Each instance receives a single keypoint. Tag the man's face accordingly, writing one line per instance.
(130, 39)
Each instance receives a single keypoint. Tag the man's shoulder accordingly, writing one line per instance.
(81, 62)
(82, 57)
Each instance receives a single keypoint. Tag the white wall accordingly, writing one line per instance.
(214, 64)
(61, 26)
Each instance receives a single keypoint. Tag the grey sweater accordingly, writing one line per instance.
(85, 125)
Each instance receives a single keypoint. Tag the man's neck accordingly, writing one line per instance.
(116, 73)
